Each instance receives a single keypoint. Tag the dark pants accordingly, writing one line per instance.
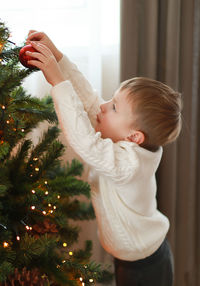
(155, 270)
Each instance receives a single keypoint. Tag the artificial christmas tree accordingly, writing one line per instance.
(37, 193)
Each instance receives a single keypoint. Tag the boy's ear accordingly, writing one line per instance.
(136, 136)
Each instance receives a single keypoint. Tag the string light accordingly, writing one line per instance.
(64, 244)
(32, 207)
(70, 253)
(17, 237)
(35, 159)
(54, 207)
(63, 261)
(7, 121)
(5, 244)
(46, 193)
(58, 197)
(91, 280)
(46, 182)
(81, 279)
(51, 211)
(3, 107)
(22, 130)
(44, 213)
(27, 227)
(37, 169)
(49, 205)
(33, 191)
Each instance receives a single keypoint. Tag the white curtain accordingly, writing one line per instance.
(87, 31)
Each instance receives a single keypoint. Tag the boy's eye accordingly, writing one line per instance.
(114, 107)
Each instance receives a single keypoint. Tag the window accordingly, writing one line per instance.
(85, 30)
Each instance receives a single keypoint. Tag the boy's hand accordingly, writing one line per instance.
(44, 39)
(46, 62)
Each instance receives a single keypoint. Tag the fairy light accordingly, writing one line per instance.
(91, 280)
(63, 261)
(27, 227)
(83, 284)
(22, 130)
(49, 205)
(37, 169)
(30, 228)
(32, 207)
(3, 107)
(58, 197)
(46, 182)
(35, 159)
(33, 191)
(46, 193)
(5, 244)
(44, 212)
(81, 279)
(64, 244)
(17, 237)
(70, 253)
(54, 207)
(51, 211)
(7, 121)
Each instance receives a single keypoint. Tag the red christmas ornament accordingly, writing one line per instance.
(25, 58)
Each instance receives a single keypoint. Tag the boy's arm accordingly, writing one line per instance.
(90, 99)
(108, 158)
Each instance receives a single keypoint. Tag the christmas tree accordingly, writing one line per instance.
(38, 195)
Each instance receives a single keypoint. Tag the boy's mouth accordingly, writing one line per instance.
(98, 119)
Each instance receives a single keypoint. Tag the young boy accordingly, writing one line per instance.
(121, 141)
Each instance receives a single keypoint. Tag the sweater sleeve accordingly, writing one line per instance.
(107, 158)
(90, 99)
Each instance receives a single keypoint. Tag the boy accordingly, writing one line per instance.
(121, 141)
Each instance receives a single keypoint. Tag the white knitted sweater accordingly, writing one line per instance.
(130, 226)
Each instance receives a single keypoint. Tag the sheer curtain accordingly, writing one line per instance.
(87, 31)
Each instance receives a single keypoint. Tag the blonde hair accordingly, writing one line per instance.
(157, 110)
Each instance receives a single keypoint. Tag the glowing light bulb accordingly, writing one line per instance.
(27, 227)
(44, 213)
(37, 169)
(64, 244)
(35, 159)
(32, 207)
(33, 191)
(49, 205)
(7, 121)
(5, 244)
(58, 197)
(54, 207)
(3, 107)
(46, 193)
(91, 280)
(17, 237)
(46, 182)
(81, 279)
(22, 130)
(70, 253)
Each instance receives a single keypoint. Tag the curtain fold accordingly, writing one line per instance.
(161, 39)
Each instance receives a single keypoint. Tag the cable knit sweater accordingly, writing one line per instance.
(130, 226)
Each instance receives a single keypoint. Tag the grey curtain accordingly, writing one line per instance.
(161, 40)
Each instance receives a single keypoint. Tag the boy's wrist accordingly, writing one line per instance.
(58, 55)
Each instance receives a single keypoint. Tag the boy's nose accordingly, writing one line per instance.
(102, 107)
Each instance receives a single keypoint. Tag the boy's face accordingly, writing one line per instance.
(115, 119)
